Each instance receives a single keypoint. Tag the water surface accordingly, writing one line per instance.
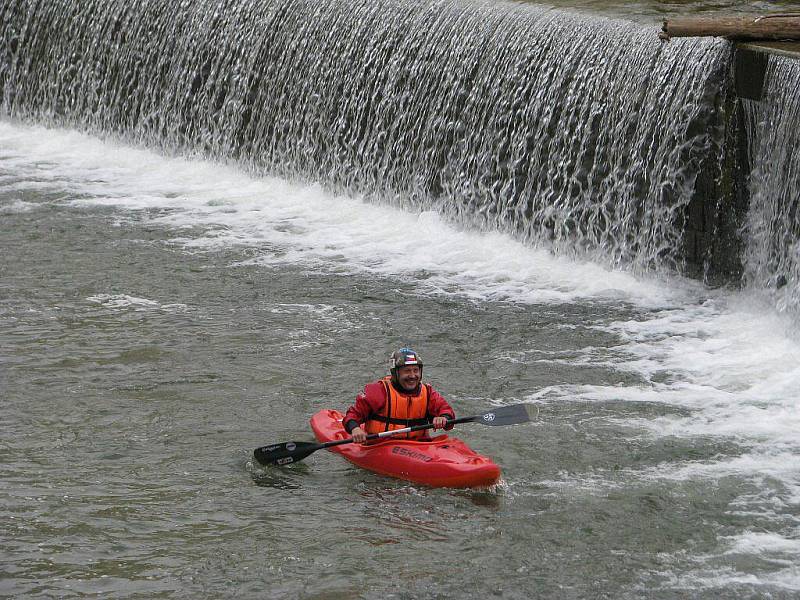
(161, 317)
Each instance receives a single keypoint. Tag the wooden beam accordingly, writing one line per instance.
(784, 26)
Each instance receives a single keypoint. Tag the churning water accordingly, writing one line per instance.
(322, 186)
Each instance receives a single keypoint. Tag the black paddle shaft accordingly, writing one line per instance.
(289, 452)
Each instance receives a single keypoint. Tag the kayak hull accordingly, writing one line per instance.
(441, 462)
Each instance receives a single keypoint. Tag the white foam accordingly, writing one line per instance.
(16, 207)
(726, 577)
(777, 547)
(121, 301)
(305, 224)
(737, 368)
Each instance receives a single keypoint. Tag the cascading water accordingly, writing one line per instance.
(581, 133)
(772, 256)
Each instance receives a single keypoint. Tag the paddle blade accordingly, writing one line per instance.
(284, 454)
(505, 415)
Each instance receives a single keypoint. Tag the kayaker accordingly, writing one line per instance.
(397, 401)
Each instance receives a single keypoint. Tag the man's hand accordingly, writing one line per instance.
(359, 435)
(439, 422)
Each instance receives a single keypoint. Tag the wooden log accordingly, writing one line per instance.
(785, 26)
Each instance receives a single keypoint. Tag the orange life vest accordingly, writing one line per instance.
(400, 411)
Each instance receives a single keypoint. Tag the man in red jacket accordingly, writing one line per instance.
(397, 401)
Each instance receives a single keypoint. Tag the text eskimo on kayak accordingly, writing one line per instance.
(397, 401)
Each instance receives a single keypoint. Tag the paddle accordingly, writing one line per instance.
(289, 452)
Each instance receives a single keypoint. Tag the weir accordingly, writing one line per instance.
(587, 135)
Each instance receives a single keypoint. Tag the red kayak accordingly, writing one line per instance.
(441, 462)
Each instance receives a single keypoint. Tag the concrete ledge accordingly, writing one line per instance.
(790, 49)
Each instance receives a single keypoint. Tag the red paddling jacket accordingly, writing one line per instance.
(382, 406)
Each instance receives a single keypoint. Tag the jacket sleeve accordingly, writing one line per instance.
(368, 402)
(439, 407)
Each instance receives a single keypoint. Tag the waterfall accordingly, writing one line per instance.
(772, 231)
(581, 133)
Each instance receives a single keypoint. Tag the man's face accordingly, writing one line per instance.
(409, 376)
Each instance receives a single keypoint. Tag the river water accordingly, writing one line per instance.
(160, 317)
